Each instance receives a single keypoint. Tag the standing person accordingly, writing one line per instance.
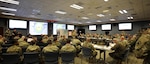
(14, 33)
(74, 33)
(8, 34)
(142, 47)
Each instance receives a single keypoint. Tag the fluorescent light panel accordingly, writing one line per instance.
(10, 1)
(112, 20)
(98, 21)
(60, 12)
(9, 9)
(85, 18)
(100, 15)
(105, 0)
(8, 13)
(76, 6)
(123, 11)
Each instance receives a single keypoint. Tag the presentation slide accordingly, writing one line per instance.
(70, 27)
(38, 28)
(57, 27)
(92, 27)
(106, 27)
(17, 24)
(125, 26)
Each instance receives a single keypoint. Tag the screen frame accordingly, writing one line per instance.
(92, 25)
(38, 22)
(56, 29)
(107, 24)
(126, 29)
(18, 21)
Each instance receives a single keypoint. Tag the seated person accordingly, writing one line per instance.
(68, 47)
(45, 39)
(22, 42)
(33, 47)
(88, 44)
(14, 48)
(119, 49)
(77, 43)
(50, 47)
(55, 42)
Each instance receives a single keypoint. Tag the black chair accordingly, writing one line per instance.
(31, 58)
(88, 54)
(10, 58)
(68, 57)
(4, 49)
(51, 57)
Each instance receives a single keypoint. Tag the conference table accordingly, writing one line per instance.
(103, 48)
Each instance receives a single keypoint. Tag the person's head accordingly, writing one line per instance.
(33, 42)
(55, 39)
(14, 30)
(1, 36)
(49, 42)
(88, 40)
(15, 42)
(68, 41)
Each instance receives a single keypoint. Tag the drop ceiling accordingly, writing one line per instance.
(45, 10)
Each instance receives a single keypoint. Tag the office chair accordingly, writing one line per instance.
(10, 58)
(68, 57)
(31, 58)
(87, 53)
(51, 57)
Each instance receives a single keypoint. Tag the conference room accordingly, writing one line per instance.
(97, 31)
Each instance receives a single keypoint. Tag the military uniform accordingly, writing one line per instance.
(57, 43)
(68, 48)
(119, 49)
(33, 48)
(142, 48)
(89, 45)
(77, 44)
(14, 49)
(23, 43)
(50, 48)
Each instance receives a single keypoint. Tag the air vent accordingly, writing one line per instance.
(133, 14)
(109, 7)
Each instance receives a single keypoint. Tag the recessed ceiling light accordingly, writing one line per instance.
(98, 21)
(125, 11)
(9, 9)
(131, 17)
(121, 11)
(84, 17)
(88, 22)
(60, 12)
(8, 13)
(105, 10)
(105, 0)
(76, 6)
(100, 15)
(112, 20)
(10, 1)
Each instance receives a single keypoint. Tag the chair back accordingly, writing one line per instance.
(10, 58)
(31, 57)
(51, 57)
(87, 52)
(68, 57)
